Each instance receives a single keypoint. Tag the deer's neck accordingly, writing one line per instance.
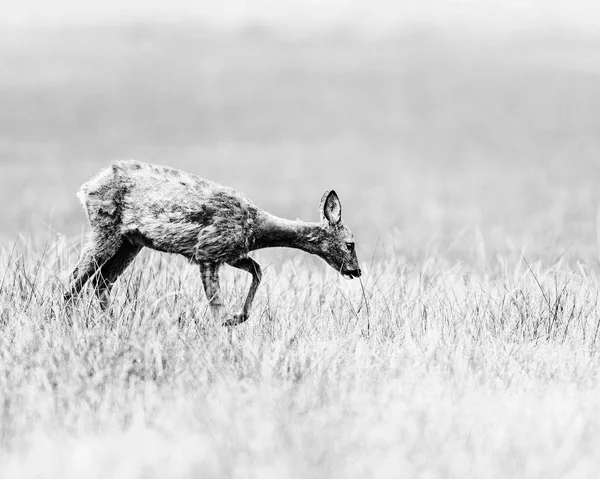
(271, 231)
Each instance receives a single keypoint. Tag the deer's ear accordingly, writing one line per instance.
(331, 208)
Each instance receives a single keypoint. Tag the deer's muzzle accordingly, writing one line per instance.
(351, 273)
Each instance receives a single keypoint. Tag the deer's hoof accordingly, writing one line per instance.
(236, 319)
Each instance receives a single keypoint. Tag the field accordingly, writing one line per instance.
(468, 171)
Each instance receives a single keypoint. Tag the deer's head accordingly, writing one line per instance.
(336, 242)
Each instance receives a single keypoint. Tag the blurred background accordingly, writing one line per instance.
(462, 124)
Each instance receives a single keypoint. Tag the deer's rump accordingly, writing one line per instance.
(169, 210)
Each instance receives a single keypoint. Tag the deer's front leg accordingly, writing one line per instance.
(249, 265)
(210, 280)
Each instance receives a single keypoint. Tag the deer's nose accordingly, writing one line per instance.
(352, 273)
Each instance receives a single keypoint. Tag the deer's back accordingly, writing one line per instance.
(171, 210)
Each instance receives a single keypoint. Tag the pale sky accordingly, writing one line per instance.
(369, 15)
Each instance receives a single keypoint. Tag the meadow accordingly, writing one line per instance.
(468, 171)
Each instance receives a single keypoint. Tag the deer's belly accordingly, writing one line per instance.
(200, 243)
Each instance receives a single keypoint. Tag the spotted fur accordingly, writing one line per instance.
(131, 205)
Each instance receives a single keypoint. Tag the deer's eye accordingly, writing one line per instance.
(350, 246)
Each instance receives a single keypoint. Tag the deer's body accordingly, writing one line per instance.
(131, 205)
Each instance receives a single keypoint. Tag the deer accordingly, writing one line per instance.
(131, 205)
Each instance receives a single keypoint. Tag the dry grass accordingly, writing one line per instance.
(452, 373)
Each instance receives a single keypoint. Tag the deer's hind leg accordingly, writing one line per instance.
(97, 251)
(111, 269)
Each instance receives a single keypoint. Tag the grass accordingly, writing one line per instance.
(467, 170)
(453, 373)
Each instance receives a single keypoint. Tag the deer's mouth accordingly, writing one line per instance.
(351, 273)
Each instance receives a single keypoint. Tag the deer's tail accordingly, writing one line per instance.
(101, 197)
